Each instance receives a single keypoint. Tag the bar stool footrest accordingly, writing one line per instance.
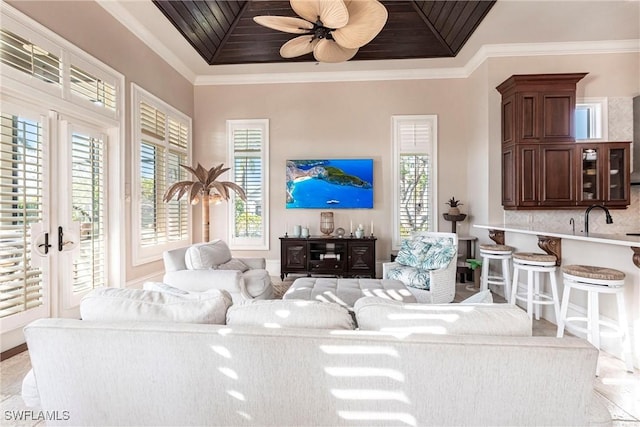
(613, 332)
(540, 299)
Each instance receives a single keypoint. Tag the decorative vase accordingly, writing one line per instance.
(359, 233)
(326, 223)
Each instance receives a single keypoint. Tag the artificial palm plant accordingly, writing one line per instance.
(205, 188)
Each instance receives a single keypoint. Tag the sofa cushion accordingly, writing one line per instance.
(410, 276)
(207, 255)
(482, 297)
(290, 314)
(115, 304)
(233, 264)
(29, 391)
(379, 314)
(163, 287)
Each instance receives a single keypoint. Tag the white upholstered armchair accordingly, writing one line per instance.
(205, 266)
(430, 269)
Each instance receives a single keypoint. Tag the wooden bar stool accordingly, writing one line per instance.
(496, 252)
(596, 281)
(534, 264)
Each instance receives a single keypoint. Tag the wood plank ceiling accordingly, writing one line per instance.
(223, 31)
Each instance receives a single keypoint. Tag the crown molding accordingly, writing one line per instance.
(484, 53)
(330, 76)
(125, 18)
(549, 49)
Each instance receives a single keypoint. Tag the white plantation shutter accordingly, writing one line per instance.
(164, 143)
(92, 88)
(177, 212)
(21, 204)
(414, 147)
(31, 59)
(88, 174)
(35, 60)
(248, 145)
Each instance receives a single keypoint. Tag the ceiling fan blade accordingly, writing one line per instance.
(366, 20)
(330, 51)
(284, 23)
(332, 13)
(298, 46)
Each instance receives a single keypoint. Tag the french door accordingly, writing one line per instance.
(53, 228)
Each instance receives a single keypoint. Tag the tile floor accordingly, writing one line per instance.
(618, 389)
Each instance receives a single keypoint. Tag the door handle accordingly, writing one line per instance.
(61, 242)
(46, 244)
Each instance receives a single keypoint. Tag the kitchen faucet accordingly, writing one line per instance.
(586, 217)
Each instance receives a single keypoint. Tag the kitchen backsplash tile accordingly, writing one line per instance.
(620, 119)
(624, 220)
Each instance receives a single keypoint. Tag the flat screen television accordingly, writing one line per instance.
(330, 184)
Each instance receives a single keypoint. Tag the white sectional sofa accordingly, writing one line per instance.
(300, 363)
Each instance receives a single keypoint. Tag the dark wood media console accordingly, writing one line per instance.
(343, 257)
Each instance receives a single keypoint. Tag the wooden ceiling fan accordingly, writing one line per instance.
(333, 30)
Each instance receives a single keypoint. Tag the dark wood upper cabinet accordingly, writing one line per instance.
(542, 165)
(557, 172)
(539, 108)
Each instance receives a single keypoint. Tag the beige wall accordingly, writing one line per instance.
(113, 44)
(334, 120)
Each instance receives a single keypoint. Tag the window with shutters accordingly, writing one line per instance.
(163, 141)
(249, 160)
(33, 59)
(414, 175)
(21, 205)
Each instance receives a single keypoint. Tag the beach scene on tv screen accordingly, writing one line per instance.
(330, 184)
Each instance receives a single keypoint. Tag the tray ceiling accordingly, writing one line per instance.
(223, 31)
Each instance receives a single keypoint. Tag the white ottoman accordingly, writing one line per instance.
(347, 291)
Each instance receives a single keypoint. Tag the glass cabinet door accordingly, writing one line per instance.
(617, 179)
(590, 175)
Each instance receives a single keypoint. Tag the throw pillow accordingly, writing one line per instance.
(290, 314)
(412, 252)
(439, 255)
(410, 276)
(204, 256)
(163, 287)
(115, 304)
(233, 264)
(380, 314)
(482, 297)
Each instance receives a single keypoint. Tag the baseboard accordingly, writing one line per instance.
(13, 351)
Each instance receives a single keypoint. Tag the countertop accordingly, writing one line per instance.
(538, 229)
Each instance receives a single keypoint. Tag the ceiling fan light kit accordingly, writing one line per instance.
(333, 30)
